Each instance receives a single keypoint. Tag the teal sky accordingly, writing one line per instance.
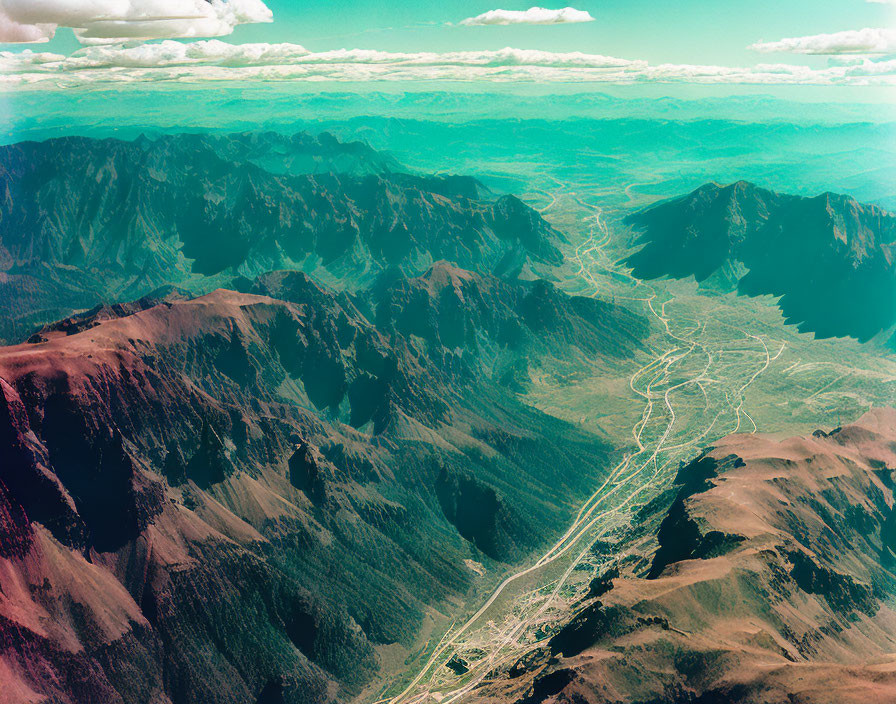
(839, 43)
(683, 31)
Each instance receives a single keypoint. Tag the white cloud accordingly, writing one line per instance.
(111, 21)
(859, 41)
(214, 60)
(534, 15)
(213, 52)
(173, 53)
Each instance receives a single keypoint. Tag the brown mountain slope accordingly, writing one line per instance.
(206, 500)
(773, 582)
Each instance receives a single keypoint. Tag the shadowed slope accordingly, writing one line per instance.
(831, 259)
(84, 221)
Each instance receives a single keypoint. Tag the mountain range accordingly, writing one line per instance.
(84, 221)
(245, 485)
(264, 433)
(257, 489)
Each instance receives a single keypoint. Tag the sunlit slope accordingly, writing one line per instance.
(766, 576)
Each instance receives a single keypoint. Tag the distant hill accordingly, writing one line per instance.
(296, 154)
(831, 259)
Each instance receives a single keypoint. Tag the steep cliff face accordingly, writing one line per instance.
(240, 496)
(772, 581)
(831, 259)
(85, 221)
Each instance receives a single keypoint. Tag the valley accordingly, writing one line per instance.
(447, 353)
(465, 399)
(717, 368)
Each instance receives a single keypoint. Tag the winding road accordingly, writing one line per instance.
(693, 390)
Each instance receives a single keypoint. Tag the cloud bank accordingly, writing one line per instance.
(214, 60)
(860, 41)
(534, 15)
(115, 21)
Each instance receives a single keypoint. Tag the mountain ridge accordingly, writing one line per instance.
(87, 221)
(769, 581)
(182, 473)
(830, 259)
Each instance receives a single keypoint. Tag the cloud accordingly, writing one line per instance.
(173, 53)
(534, 15)
(213, 52)
(115, 21)
(860, 41)
(214, 60)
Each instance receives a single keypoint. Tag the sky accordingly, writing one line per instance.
(827, 42)
(686, 31)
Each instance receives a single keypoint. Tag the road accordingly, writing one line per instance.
(693, 391)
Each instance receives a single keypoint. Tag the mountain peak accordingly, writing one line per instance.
(787, 244)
